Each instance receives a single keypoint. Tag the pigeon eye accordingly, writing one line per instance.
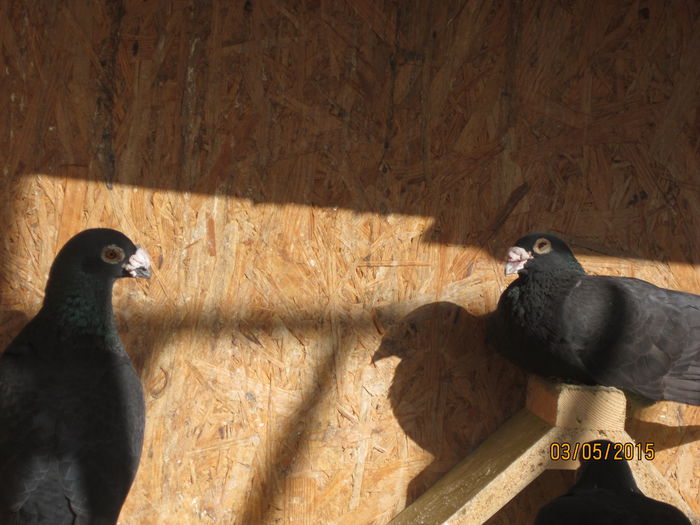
(542, 246)
(112, 254)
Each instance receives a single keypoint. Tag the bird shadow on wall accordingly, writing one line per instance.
(449, 391)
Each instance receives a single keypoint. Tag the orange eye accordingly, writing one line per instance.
(112, 254)
(542, 246)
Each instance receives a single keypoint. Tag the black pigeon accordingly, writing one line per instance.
(606, 494)
(71, 404)
(557, 321)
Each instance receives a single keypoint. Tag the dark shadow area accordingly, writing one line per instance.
(400, 108)
(449, 392)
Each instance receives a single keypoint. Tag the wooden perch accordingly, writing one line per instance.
(518, 452)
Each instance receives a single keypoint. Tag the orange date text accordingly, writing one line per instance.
(600, 451)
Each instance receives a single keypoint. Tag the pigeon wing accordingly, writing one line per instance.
(636, 336)
(26, 428)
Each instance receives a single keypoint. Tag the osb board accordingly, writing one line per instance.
(323, 182)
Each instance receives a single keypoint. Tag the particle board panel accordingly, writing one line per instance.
(327, 189)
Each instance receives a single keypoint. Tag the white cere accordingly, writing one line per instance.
(140, 259)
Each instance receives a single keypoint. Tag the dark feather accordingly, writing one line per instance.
(555, 320)
(606, 494)
(71, 403)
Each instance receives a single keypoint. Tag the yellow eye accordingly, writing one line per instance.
(542, 246)
(112, 254)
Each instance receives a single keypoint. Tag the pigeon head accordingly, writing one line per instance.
(101, 254)
(79, 289)
(540, 250)
(604, 468)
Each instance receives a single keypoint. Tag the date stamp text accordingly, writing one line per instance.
(601, 451)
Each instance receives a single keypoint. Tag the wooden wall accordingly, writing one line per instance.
(327, 188)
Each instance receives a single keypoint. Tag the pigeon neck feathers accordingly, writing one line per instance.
(553, 263)
(79, 289)
(82, 304)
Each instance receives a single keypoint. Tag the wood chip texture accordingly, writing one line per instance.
(327, 189)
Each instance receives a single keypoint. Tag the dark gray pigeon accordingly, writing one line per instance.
(71, 404)
(606, 494)
(557, 321)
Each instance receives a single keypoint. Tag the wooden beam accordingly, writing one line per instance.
(518, 452)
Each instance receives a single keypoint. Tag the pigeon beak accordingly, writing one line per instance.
(139, 264)
(516, 259)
